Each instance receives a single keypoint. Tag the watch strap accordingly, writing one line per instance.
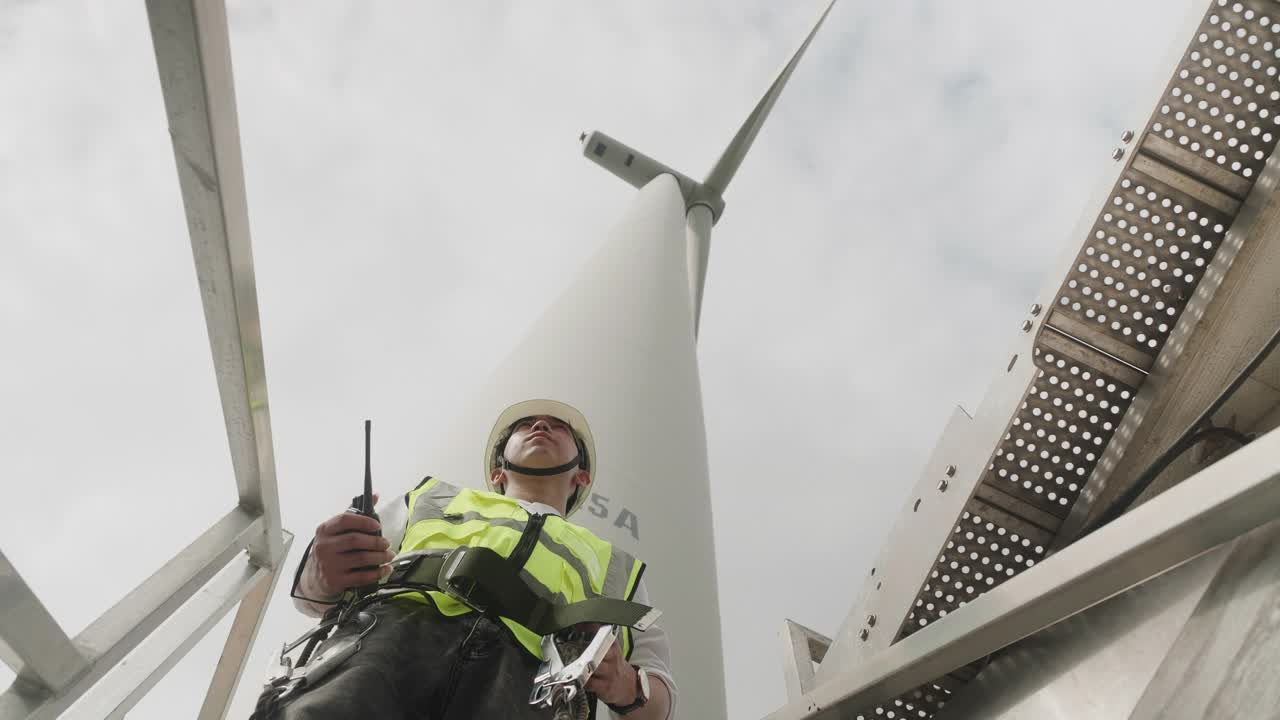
(642, 697)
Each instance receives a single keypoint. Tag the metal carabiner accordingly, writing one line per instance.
(557, 684)
(294, 678)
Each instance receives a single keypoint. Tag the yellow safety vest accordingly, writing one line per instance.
(564, 563)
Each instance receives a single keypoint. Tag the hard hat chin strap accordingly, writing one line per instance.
(541, 472)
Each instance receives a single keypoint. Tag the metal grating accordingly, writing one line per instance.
(1223, 102)
(1139, 266)
(926, 700)
(923, 702)
(1206, 143)
(1065, 420)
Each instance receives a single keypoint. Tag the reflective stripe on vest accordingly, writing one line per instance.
(568, 563)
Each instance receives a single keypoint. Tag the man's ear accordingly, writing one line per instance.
(582, 478)
(499, 480)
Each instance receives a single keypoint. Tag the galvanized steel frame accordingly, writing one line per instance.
(1226, 500)
(964, 480)
(802, 648)
(238, 559)
(193, 53)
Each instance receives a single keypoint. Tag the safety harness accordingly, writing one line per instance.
(479, 578)
(486, 582)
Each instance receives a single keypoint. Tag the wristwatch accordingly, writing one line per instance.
(642, 693)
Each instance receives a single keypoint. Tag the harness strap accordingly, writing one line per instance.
(483, 580)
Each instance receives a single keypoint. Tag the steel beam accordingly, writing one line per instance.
(235, 652)
(1185, 183)
(1232, 497)
(1070, 346)
(1179, 157)
(241, 582)
(123, 627)
(1121, 361)
(193, 54)
(31, 641)
(801, 649)
(1222, 662)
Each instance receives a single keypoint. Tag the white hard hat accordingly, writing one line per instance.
(500, 433)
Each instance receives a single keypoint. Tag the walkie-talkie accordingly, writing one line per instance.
(363, 504)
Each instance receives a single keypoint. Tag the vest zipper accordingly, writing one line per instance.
(528, 539)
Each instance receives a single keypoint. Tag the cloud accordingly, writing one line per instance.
(415, 195)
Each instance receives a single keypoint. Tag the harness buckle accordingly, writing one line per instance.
(458, 586)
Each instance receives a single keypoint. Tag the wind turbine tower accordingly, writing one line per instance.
(620, 344)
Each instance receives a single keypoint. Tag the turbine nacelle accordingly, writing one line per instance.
(637, 169)
(704, 201)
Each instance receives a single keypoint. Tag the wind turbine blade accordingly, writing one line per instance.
(725, 168)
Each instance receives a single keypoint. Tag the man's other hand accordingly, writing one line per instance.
(344, 544)
(615, 680)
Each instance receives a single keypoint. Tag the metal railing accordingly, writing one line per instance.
(237, 560)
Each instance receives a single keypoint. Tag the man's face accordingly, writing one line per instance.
(542, 441)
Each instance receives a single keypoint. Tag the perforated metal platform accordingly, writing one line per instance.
(1184, 182)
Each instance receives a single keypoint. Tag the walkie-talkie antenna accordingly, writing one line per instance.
(367, 507)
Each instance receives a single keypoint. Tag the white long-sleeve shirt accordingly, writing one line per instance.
(650, 649)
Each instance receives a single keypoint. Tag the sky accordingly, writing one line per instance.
(416, 191)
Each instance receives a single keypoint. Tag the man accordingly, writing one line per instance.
(427, 655)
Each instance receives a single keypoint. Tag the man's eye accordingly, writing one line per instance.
(553, 424)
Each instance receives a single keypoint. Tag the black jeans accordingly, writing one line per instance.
(416, 664)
